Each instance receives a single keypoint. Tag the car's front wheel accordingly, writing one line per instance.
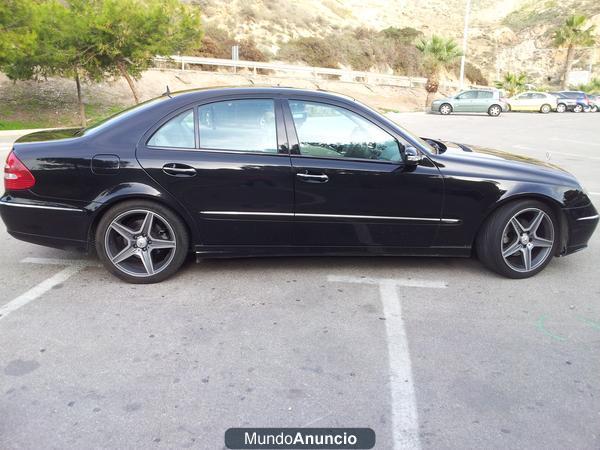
(445, 109)
(141, 241)
(561, 108)
(519, 239)
(545, 109)
(494, 110)
(578, 108)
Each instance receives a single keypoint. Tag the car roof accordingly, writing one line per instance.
(267, 90)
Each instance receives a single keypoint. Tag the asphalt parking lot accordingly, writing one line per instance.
(430, 353)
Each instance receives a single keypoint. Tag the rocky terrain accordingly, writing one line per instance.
(507, 35)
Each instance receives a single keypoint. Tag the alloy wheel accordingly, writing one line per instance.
(561, 108)
(546, 109)
(494, 110)
(140, 243)
(527, 240)
(445, 109)
(578, 108)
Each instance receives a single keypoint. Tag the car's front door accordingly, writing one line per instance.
(352, 186)
(464, 101)
(227, 162)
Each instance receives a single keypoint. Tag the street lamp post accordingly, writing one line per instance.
(464, 45)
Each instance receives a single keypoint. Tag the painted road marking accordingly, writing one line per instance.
(405, 420)
(61, 262)
(73, 266)
(40, 289)
(575, 141)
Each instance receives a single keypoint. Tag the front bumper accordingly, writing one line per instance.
(581, 223)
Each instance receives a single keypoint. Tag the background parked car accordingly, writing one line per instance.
(583, 102)
(473, 100)
(594, 103)
(533, 101)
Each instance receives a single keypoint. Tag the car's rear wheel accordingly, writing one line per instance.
(578, 108)
(545, 109)
(141, 241)
(494, 110)
(561, 108)
(519, 239)
(594, 108)
(445, 109)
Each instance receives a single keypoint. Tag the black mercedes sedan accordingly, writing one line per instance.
(236, 172)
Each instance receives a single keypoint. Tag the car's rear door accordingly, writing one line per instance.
(226, 160)
(352, 187)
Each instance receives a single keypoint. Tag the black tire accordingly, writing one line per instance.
(489, 243)
(165, 227)
(445, 109)
(545, 109)
(494, 110)
(561, 108)
(578, 108)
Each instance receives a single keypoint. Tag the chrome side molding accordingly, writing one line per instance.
(331, 216)
(27, 205)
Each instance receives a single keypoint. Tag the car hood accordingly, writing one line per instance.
(50, 135)
(508, 165)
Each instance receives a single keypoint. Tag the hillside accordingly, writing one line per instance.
(510, 35)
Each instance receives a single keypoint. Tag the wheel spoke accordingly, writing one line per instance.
(517, 225)
(526, 258)
(161, 243)
(127, 252)
(147, 261)
(535, 224)
(512, 249)
(147, 224)
(541, 242)
(124, 231)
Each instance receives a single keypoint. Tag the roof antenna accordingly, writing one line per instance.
(167, 92)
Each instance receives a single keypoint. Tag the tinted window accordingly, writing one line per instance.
(467, 95)
(524, 96)
(537, 95)
(485, 94)
(243, 125)
(177, 132)
(333, 132)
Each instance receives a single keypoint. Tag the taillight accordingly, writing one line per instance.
(16, 175)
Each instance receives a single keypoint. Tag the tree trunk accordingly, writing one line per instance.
(568, 64)
(130, 82)
(431, 87)
(80, 100)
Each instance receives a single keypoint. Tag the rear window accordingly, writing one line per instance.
(485, 94)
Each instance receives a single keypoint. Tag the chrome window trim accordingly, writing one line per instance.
(26, 205)
(333, 216)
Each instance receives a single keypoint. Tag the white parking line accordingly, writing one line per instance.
(61, 262)
(575, 141)
(405, 420)
(39, 289)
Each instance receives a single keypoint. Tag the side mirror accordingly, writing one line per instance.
(412, 156)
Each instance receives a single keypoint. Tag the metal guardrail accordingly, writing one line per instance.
(344, 75)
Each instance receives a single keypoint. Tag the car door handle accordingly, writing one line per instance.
(179, 170)
(309, 178)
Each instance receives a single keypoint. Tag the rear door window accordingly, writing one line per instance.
(241, 125)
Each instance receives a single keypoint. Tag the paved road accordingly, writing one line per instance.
(430, 353)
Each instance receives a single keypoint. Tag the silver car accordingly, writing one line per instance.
(473, 100)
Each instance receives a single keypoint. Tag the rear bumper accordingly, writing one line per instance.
(581, 224)
(45, 223)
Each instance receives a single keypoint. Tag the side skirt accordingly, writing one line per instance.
(208, 251)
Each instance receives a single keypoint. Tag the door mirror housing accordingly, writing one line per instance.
(412, 156)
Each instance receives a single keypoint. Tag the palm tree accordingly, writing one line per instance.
(512, 83)
(438, 53)
(573, 34)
